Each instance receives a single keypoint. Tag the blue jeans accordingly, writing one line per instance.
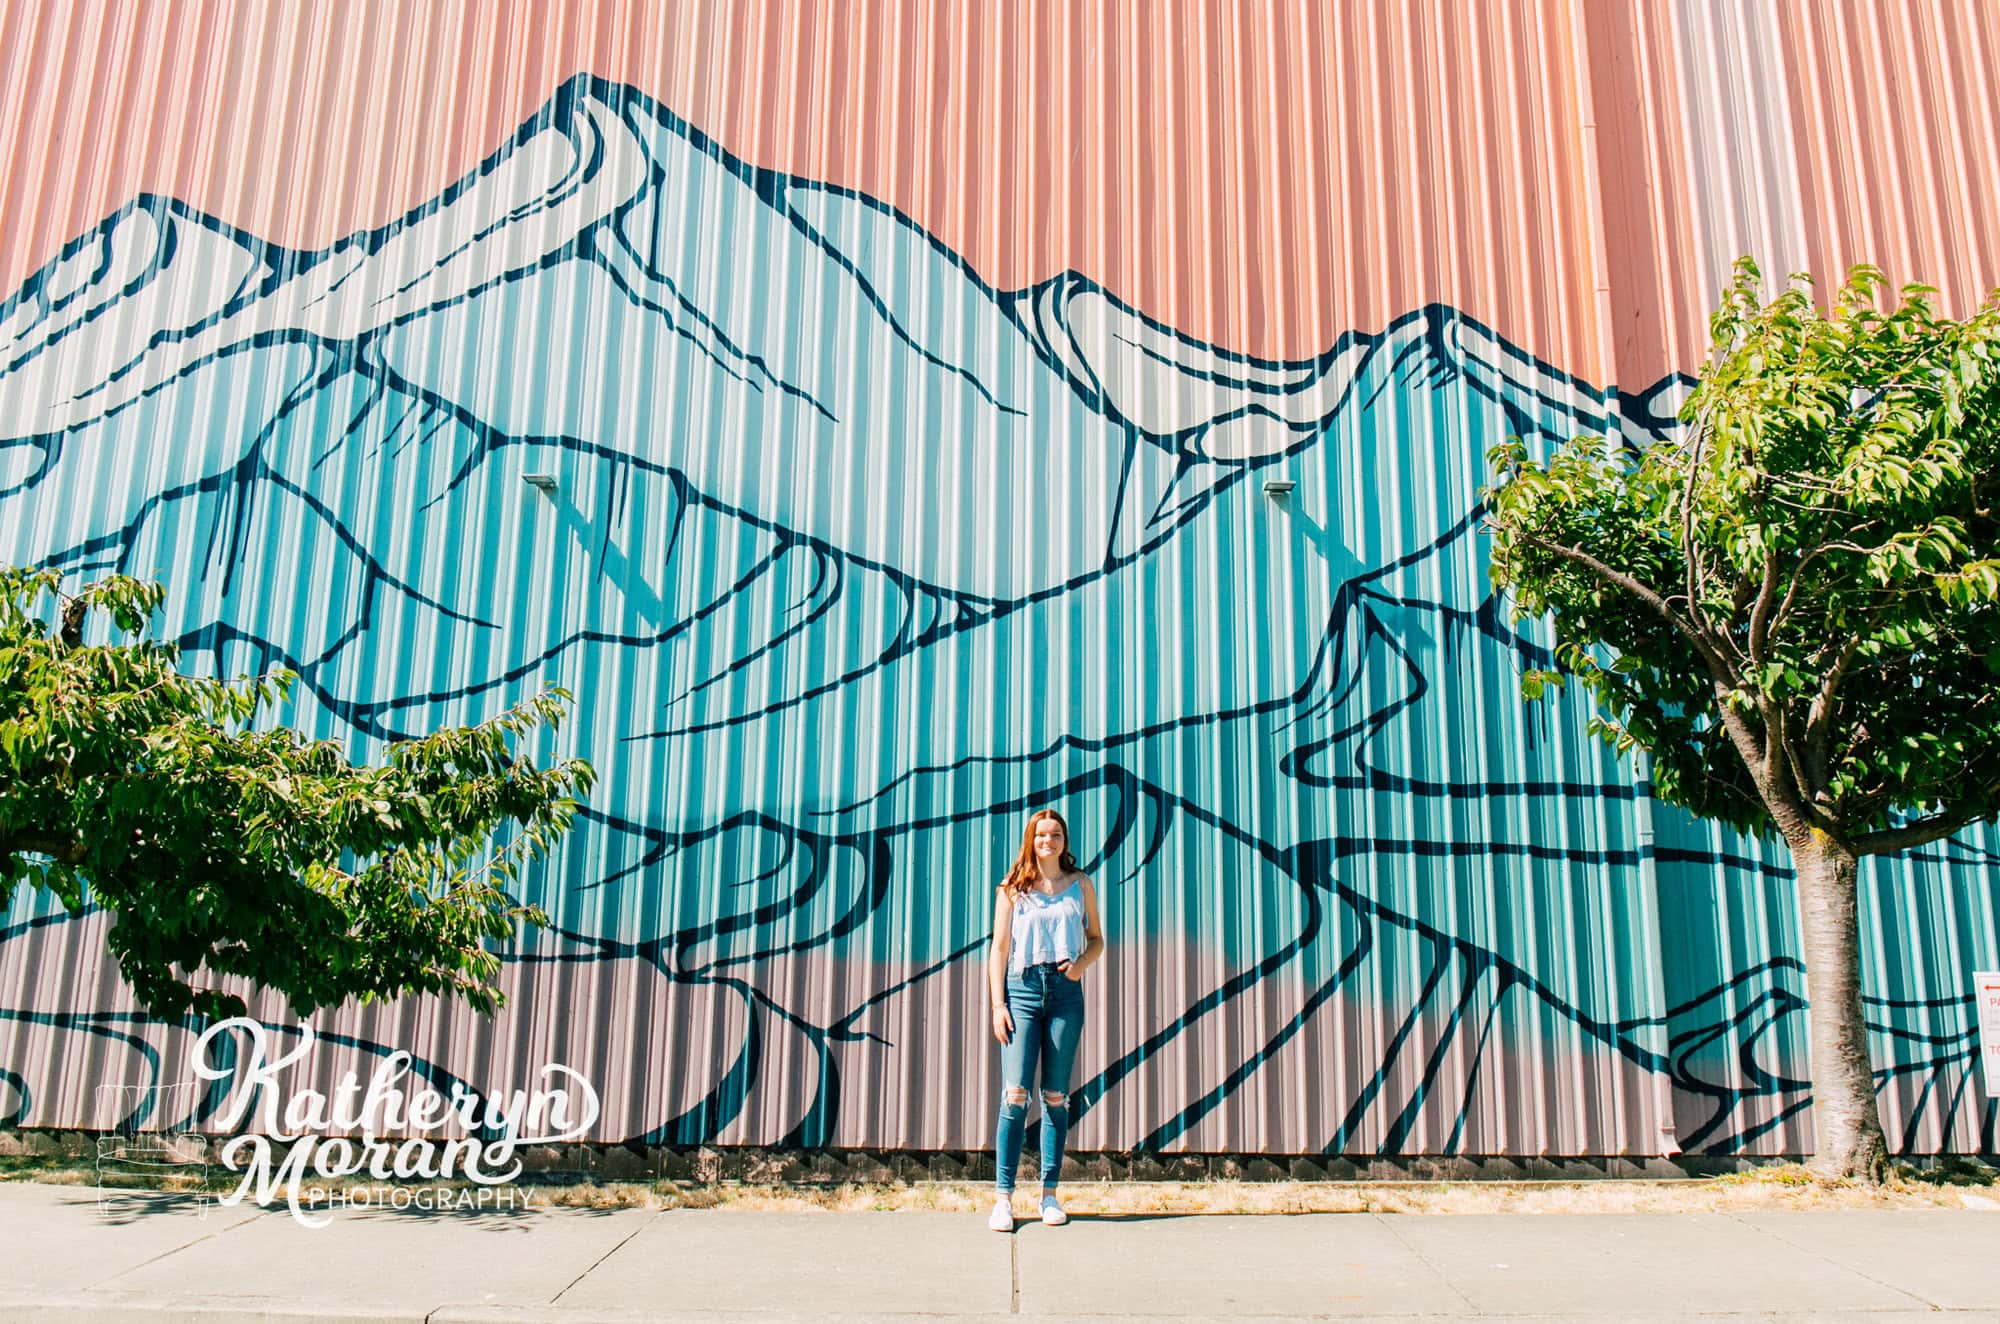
(1047, 1008)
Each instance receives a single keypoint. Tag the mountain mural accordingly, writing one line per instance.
(852, 559)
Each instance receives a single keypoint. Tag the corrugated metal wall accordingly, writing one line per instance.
(910, 376)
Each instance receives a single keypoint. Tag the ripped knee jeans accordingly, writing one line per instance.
(1047, 1009)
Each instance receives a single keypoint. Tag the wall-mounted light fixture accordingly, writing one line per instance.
(1277, 487)
(546, 482)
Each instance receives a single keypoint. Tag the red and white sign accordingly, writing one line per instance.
(1986, 992)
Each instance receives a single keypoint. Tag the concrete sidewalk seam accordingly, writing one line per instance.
(1424, 1260)
(1013, 1274)
(185, 1245)
(1924, 1302)
(592, 1266)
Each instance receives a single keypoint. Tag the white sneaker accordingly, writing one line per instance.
(1002, 1217)
(1052, 1212)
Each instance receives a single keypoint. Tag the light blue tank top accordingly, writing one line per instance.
(1047, 928)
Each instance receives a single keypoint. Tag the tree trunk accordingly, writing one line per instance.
(1847, 1128)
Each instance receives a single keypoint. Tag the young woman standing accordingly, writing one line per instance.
(1045, 933)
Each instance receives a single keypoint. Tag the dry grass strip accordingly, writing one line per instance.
(1954, 1185)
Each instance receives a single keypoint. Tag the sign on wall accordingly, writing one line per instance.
(1986, 992)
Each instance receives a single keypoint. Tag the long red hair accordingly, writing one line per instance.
(1025, 871)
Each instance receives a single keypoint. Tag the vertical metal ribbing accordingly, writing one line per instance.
(1259, 188)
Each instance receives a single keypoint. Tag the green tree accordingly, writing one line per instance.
(1794, 606)
(222, 849)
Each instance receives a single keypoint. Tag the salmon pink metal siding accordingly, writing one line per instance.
(909, 376)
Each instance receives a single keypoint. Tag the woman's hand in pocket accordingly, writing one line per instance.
(1069, 972)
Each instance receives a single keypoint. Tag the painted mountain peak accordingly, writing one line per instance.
(611, 292)
(608, 217)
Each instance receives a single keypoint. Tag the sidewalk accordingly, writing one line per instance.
(153, 1259)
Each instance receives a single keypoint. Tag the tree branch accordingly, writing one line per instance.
(1944, 823)
(1808, 789)
(1819, 716)
(1718, 670)
(1721, 678)
(1760, 615)
(1785, 788)
(1695, 586)
(1746, 742)
(1799, 571)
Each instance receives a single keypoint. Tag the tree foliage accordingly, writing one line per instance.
(1794, 605)
(222, 849)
